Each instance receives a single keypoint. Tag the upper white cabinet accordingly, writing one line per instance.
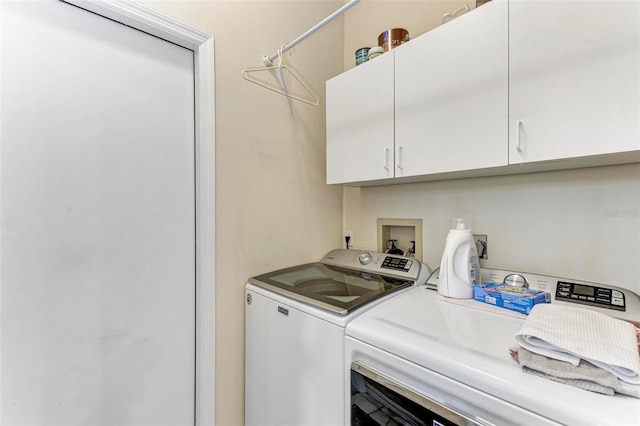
(574, 79)
(443, 109)
(360, 141)
(510, 87)
(451, 95)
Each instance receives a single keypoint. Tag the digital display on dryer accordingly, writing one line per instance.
(583, 290)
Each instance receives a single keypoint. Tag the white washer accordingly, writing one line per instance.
(453, 360)
(294, 332)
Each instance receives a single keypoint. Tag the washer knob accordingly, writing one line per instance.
(365, 258)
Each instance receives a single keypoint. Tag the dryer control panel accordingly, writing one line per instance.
(592, 295)
(608, 299)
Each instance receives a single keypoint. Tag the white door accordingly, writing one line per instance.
(97, 249)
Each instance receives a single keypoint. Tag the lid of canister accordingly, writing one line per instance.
(375, 51)
(460, 223)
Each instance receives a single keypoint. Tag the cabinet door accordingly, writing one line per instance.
(574, 79)
(360, 122)
(451, 95)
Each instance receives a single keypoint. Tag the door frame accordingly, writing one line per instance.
(142, 18)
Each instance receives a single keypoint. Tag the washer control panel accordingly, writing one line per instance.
(400, 263)
(590, 295)
(391, 265)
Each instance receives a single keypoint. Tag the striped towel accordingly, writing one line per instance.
(570, 334)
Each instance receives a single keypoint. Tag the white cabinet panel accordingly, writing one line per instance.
(360, 117)
(451, 95)
(574, 82)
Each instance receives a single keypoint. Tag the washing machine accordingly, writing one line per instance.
(423, 359)
(295, 321)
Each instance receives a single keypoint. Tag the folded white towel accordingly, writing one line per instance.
(570, 334)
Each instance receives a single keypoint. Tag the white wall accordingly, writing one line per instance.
(273, 208)
(582, 223)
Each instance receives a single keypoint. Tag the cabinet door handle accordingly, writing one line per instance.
(386, 159)
(518, 126)
(400, 159)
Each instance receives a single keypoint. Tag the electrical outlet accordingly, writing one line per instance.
(348, 233)
(482, 246)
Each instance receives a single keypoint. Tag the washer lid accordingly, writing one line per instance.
(335, 288)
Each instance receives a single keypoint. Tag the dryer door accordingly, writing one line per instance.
(375, 397)
(423, 394)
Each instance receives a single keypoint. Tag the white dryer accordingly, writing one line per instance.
(433, 361)
(295, 322)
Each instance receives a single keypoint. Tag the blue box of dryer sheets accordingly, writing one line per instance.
(517, 299)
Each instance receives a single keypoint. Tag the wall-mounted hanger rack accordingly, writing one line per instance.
(283, 69)
(268, 60)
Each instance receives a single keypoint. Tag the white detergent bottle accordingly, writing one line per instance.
(459, 268)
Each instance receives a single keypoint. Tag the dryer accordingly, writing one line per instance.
(438, 361)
